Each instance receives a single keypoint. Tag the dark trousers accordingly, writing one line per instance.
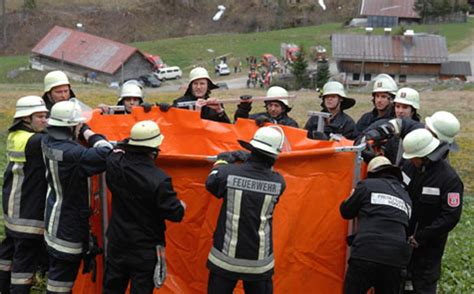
(362, 275)
(62, 274)
(220, 285)
(6, 257)
(134, 266)
(26, 258)
(425, 269)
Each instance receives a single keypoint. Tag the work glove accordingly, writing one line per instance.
(368, 155)
(164, 107)
(317, 135)
(103, 143)
(261, 120)
(234, 156)
(244, 105)
(380, 133)
(84, 128)
(159, 276)
(146, 106)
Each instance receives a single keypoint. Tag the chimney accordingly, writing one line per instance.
(387, 31)
(369, 31)
(408, 37)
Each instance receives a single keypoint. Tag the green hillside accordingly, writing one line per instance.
(188, 51)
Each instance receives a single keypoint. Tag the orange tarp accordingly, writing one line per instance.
(309, 234)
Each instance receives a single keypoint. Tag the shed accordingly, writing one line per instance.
(85, 54)
(455, 69)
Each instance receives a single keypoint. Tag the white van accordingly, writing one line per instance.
(168, 73)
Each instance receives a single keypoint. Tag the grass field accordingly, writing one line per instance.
(459, 256)
(193, 50)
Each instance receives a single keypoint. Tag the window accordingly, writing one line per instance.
(367, 77)
(355, 76)
(402, 78)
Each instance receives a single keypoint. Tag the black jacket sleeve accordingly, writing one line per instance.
(169, 205)
(349, 208)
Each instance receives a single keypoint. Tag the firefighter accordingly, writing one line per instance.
(437, 194)
(334, 101)
(276, 110)
(406, 105)
(131, 95)
(24, 191)
(379, 250)
(56, 88)
(199, 90)
(442, 124)
(142, 199)
(243, 244)
(383, 93)
(68, 166)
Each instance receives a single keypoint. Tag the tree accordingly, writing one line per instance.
(322, 73)
(299, 69)
(29, 4)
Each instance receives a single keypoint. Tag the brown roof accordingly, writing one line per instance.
(399, 8)
(456, 68)
(379, 48)
(84, 49)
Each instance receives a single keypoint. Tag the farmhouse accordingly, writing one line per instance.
(408, 58)
(84, 54)
(389, 13)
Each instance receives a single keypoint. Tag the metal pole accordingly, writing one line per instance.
(105, 211)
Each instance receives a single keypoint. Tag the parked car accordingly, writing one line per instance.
(168, 73)
(150, 81)
(222, 69)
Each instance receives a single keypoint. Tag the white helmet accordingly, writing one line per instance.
(377, 163)
(333, 88)
(277, 91)
(130, 90)
(66, 114)
(201, 73)
(419, 143)
(134, 82)
(147, 134)
(269, 140)
(444, 125)
(408, 96)
(26, 106)
(54, 79)
(385, 83)
(336, 88)
(380, 163)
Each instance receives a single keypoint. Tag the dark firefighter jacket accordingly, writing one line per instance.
(142, 199)
(206, 112)
(243, 243)
(340, 124)
(243, 111)
(24, 184)
(369, 118)
(393, 147)
(68, 166)
(437, 193)
(383, 209)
